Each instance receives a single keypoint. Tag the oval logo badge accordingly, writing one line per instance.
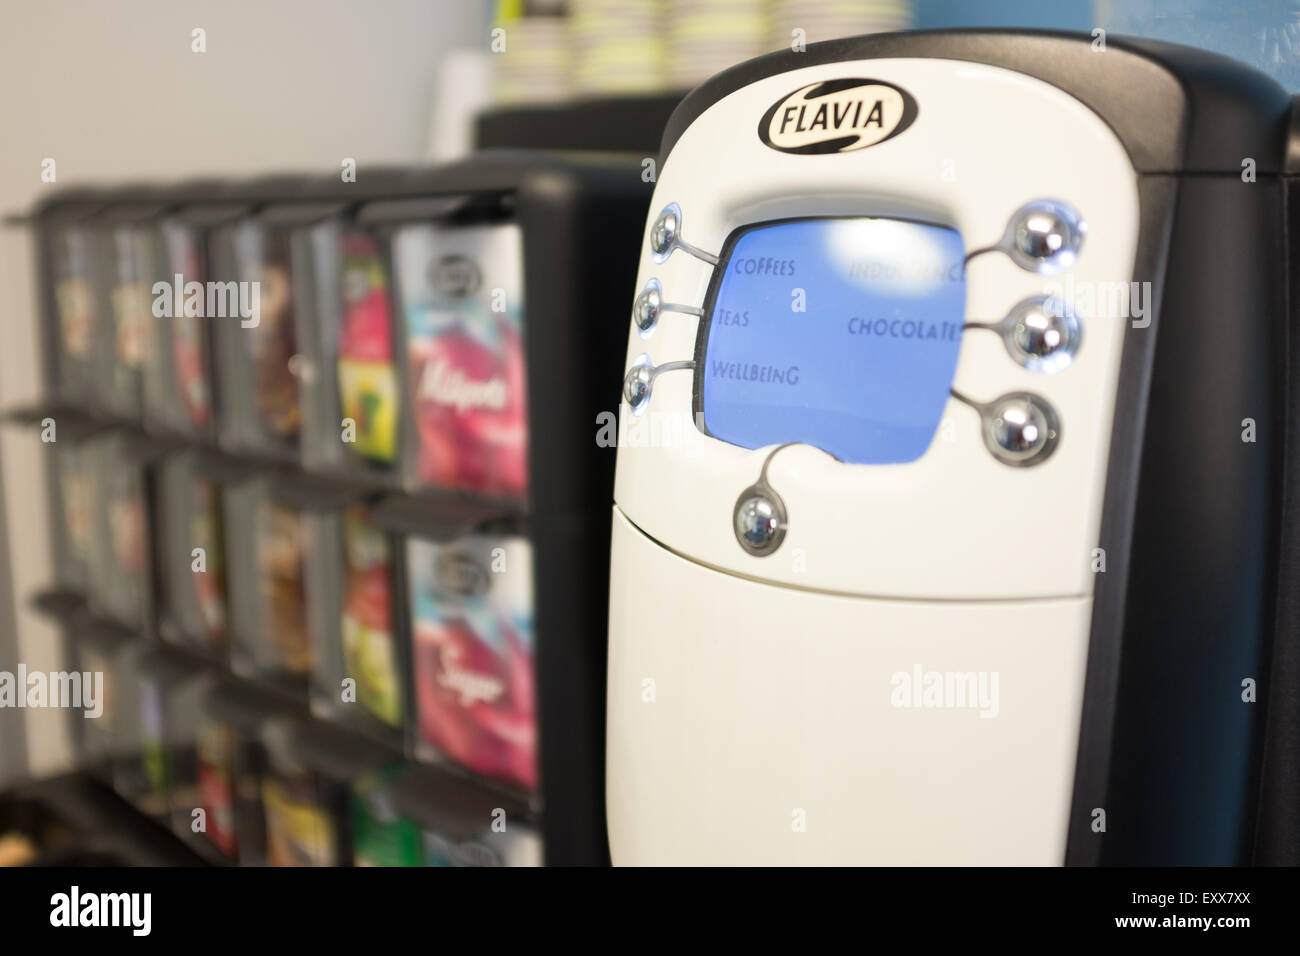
(837, 116)
(455, 277)
(459, 574)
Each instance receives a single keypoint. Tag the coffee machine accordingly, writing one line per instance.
(951, 512)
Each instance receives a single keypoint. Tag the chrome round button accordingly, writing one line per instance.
(1020, 429)
(759, 520)
(648, 305)
(1042, 334)
(1044, 236)
(665, 232)
(636, 386)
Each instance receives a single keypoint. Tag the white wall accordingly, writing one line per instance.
(111, 90)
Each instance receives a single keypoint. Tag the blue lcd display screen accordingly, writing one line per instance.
(838, 333)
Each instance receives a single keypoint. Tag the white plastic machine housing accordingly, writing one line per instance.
(760, 708)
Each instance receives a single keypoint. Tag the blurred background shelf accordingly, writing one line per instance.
(623, 124)
(75, 820)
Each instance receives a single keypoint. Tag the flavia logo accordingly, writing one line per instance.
(837, 116)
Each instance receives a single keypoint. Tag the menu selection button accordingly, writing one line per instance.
(1042, 334)
(648, 306)
(1045, 236)
(759, 520)
(1020, 428)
